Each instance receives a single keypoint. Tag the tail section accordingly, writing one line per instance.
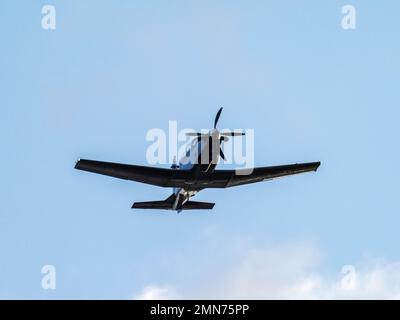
(163, 204)
(152, 205)
(191, 205)
(168, 204)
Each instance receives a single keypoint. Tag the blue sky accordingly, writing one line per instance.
(92, 89)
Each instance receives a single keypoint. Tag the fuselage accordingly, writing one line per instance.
(200, 159)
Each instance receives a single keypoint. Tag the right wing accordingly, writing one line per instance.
(155, 176)
(232, 178)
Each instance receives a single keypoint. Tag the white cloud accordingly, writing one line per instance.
(271, 273)
(157, 293)
(290, 272)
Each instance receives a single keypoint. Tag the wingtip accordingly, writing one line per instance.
(77, 163)
(317, 164)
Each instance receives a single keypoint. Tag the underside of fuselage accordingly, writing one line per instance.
(200, 162)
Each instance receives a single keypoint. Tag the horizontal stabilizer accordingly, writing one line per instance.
(190, 205)
(152, 205)
(163, 204)
(167, 205)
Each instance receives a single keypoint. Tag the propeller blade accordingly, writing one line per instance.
(217, 117)
(221, 153)
(194, 134)
(232, 134)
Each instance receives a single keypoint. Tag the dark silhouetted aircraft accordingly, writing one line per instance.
(195, 172)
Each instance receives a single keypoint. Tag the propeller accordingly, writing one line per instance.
(232, 134)
(194, 134)
(221, 153)
(217, 117)
(222, 136)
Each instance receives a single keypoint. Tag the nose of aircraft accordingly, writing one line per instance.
(214, 133)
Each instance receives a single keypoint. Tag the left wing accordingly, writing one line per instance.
(155, 176)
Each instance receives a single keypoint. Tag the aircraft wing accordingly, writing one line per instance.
(155, 176)
(182, 178)
(232, 178)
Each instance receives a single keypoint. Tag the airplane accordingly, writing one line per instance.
(196, 171)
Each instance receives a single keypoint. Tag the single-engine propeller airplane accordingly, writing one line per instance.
(195, 172)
